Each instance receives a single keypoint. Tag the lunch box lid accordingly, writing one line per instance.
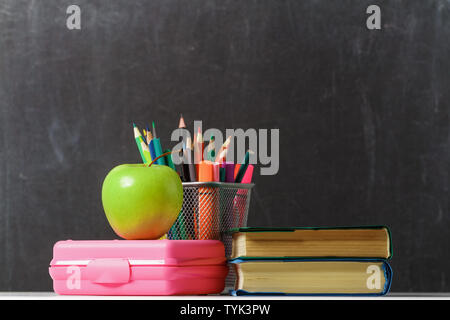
(139, 252)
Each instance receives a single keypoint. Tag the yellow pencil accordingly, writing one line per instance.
(146, 152)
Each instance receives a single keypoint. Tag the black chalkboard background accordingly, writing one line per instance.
(363, 115)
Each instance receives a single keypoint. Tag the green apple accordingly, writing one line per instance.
(142, 202)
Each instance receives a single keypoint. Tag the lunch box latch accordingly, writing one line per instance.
(114, 271)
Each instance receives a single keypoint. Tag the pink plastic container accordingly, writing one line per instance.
(138, 267)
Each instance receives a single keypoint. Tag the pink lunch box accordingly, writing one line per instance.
(138, 267)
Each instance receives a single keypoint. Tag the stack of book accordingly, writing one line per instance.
(312, 261)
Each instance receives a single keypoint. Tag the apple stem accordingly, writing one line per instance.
(163, 155)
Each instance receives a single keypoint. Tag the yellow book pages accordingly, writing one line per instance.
(311, 277)
(361, 243)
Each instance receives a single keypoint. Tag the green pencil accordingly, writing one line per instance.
(222, 174)
(138, 138)
(157, 147)
(146, 152)
(243, 168)
(211, 150)
(169, 159)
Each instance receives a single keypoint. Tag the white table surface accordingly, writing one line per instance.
(54, 296)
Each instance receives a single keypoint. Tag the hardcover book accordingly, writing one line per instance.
(343, 242)
(312, 277)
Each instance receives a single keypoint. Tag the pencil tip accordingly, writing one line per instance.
(181, 124)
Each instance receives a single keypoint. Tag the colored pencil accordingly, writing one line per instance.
(229, 171)
(184, 165)
(146, 152)
(188, 168)
(151, 148)
(221, 154)
(169, 159)
(154, 129)
(236, 169)
(216, 171)
(189, 212)
(180, 167)
(157, 147)
(222, 174)
(243, 167)
(248, 174)
(198, 147)
(138, 138)
(198, 151)
(178, 229)
(240, 202)
(181, 124)
(211, 150)
(149, 135)
(208, 220)
(186, 218)
(191, 167)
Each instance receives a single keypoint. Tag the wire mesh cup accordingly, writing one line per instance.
(210, 210)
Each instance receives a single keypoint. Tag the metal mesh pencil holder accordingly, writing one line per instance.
(210, 210)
